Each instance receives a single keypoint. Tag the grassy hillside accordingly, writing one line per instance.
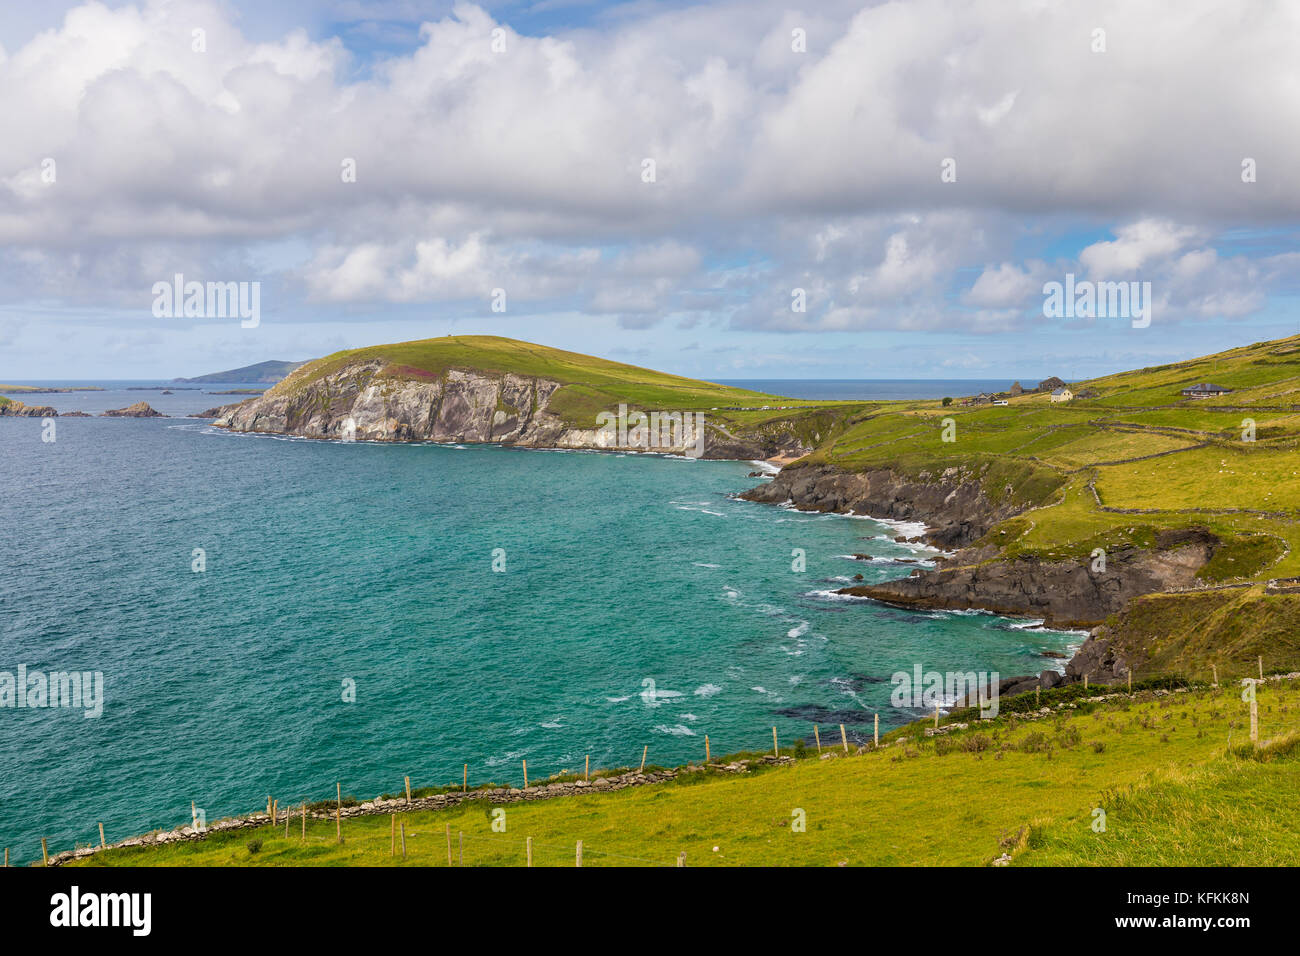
(1167, 768)
(262, 372)
(1131, 459)
(591, 385)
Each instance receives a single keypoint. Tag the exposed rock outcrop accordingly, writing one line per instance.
(221, 411)
(953, 505)
(138, 410)
(16, 409)
(1063, 593)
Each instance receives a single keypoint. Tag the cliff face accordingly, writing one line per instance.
(460, 406)
(1063, 593)
(953, 506)
(16, 409)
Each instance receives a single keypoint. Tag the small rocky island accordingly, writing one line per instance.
(138, 410)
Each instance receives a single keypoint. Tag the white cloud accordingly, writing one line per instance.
(775, 169)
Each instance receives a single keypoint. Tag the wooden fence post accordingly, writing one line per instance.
(1085, 682)
(525, 774)
(529, 845)
(101, 836)
(579, 862)
(304, 821)
(644, 750)
(448, 826)
(194, 817)
(6, 858)
(681, 858)
(1254, 720)
(1130, 680)
(876, 733)
(1261, 666)
(338, 813)
(936, 714)
(844, 739)
(44, 852)
(464, 782)
(462, 846)
(403, 828)
(392, 834)
(587, 773)
(776, 751)
(706, 750)
(408, 789)
(1215, 669)
(817, 737)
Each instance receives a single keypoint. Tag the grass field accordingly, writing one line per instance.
(1168, 770)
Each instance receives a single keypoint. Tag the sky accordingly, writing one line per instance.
(723, 190)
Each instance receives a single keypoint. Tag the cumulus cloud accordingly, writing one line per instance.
(488, 158)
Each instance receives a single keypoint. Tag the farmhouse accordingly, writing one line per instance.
(1062, 395)
(1205, 390)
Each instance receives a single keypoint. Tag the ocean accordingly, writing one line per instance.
(876, 390)
(370, 611)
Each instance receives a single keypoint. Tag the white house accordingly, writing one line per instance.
(1062, 395)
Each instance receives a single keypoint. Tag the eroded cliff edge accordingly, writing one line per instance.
(954, 505)
(959, 512)
(1066, 594)
(362, 401)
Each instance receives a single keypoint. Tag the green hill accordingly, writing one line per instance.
(590, 384)
(1111, 470)
(261, 373)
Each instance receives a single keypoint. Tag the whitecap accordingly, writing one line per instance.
(677, 730)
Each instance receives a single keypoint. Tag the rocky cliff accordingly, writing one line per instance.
(953, 505)
(1063, 593)
(460, 405)
(16, 409)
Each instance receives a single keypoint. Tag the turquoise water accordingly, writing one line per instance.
(373, 563)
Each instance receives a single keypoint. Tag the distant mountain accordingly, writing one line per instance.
(261, 373)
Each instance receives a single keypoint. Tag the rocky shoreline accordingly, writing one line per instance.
(19, 410)
(356, 402)
(1066, 594)
(956, 512)
(953, 507)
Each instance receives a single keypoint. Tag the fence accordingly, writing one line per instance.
(322, 823)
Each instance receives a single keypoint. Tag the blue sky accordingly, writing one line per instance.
(915, 173)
